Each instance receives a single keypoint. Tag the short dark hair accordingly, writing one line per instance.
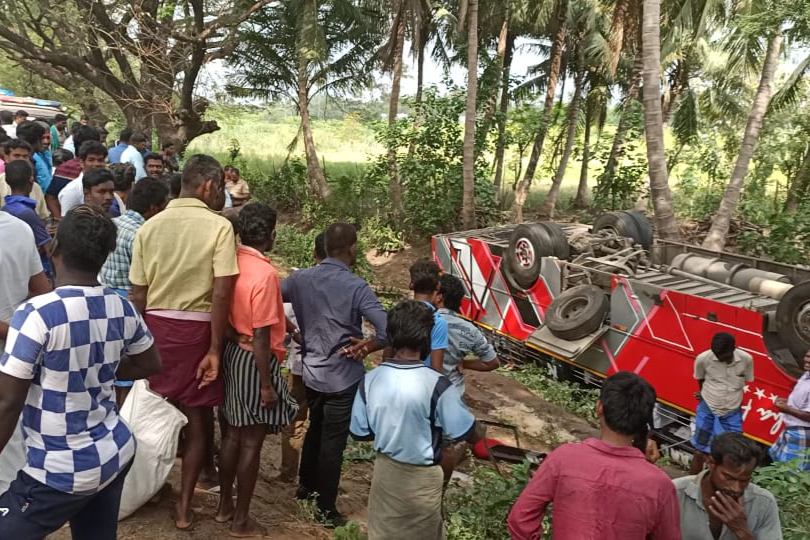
(59, 118)
(95, 177)
(198, 169)
(167, 144)
(17, 143)
(146, 193)
(125, 135)
(85, 238)
(6, 117)
(61, 155)
(734, 449)
(320, 245)
(339, 237)
(94, 147)
(20, 112)
(452, 290)
(234, 170)
(410, 324)
(82, 134)
(152, 156)
(723, 344)
(123, 176)
(256, 223)
(85, 117)
(31, 132)
(138, 137)
(424, 276)
(627, 404)
(18, 174)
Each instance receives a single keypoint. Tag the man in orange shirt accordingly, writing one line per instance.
(257, 400)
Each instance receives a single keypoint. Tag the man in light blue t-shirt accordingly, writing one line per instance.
(425, 277)
(468, 348)
(408, 409)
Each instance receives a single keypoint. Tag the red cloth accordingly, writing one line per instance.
(599, 492)
(182, 344)
(70, 169)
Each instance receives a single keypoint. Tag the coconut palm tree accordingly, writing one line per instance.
(468, 149)
(716, 237)
(554, 72)
(653, 121)
(302, 48)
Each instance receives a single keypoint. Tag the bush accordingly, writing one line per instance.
(480, 511)
(791, 487)
(573, 397)
(429, 164)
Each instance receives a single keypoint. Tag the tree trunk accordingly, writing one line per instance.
(654, 122)
(525, 185)
(468, 165)
(395, 185)
(500, 149)
(500, 51)
(317, 178)
(798, 186)
(581, 200)
(420, 82)
(624, 122)
(550, 203)
(619, 19)
(716, 239)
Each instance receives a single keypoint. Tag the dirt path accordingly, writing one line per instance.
(541, 426)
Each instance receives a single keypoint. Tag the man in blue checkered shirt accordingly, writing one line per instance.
(61, 355)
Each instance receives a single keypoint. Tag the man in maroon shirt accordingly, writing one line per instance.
(603, 489)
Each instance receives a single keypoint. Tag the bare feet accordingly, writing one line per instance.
(250, 528)
(183, 522)
(225, 510)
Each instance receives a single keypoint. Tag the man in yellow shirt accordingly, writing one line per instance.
(182, 272)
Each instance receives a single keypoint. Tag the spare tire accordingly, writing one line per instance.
(793, 320)
(577, 312)
(559, 241)
(644, 227)
(527, 245)
(632, 225)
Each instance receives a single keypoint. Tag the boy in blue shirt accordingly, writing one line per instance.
(425, 285)
(407, 409)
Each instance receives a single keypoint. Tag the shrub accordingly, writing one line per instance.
(791, 487)
(480, 511)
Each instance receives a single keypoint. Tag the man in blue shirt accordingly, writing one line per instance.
(134, 155)
(32, 133)
(121, 145)
(425, 285)
(20, 178)
(330, 303)
(407, 408)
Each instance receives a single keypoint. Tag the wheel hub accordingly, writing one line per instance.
(524, 252)
(803, 322)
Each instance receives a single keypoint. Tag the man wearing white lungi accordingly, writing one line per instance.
(407, 408)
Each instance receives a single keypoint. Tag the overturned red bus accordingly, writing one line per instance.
(590, 301)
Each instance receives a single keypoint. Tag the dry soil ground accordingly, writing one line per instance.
(541, 425)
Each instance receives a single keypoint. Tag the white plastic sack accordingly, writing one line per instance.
(156, 424)
(12, 458)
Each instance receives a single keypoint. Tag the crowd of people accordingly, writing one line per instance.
(117, 268)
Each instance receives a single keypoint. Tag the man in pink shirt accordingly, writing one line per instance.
(603, 489)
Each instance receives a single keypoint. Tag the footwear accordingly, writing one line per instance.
(331, 519)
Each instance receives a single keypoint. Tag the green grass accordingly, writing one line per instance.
(344, 146)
